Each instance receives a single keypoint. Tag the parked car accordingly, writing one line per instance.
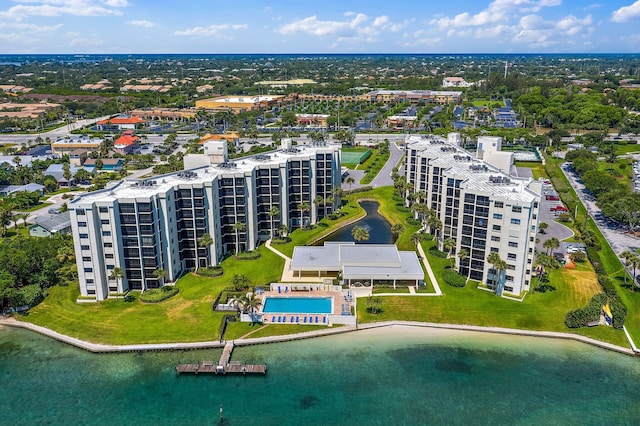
(54, 211)
(551, 197)
(559, 208)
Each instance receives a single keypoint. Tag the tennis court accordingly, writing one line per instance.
(355, 157)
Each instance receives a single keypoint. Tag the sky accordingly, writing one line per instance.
(326, 26)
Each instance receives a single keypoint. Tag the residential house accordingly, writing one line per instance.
(30, 187)
(48, 225)
(126, 143)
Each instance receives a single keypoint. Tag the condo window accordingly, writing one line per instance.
(104, 221)
(498, 204)
(516, 209)
(513, 244)
(86, 259)
(515, 221)
(495, 238)
(80, 212)
(88, 270)
(497, 216)
(511, 256)
(83, 247)
(82, 224)
(84, 235)
(106, 233)
(496, 227)
(103, 209)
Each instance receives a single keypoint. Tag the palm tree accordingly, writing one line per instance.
(416, 238)
(551, 244)
(238, 227)
(359, 233)
(303, 207)
(627, 255)
(116, 274)
(160, 275)
(462, 255)
(65, 254)
(349, 181)
(435, 224)
(448, 244)
(397, 229)
(273, 212)
(283, 230)
(500, 266)
(319, 202)
(204, 241)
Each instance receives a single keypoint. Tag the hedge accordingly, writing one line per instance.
(249, 255)
(433, 251)
(211, 271)
(453, 278)
(157, 295)
(583, 316)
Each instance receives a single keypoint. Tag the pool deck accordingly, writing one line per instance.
(338, 307)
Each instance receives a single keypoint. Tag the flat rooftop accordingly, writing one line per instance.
(163, 183)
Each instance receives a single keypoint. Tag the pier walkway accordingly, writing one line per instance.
(224, 365)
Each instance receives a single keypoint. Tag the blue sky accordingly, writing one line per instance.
(329, 26)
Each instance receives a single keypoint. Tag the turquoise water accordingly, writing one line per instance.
(298, 305)
(378, 377)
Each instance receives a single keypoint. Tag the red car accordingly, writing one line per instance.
(559, 209)
(552, 197)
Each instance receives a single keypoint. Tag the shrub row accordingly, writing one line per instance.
(362, 189)
(157, 295)
(249, 255)
(412, 221)
(433, 251)
(211, 271)
(594, 258)
(453, 278)
(583, 316)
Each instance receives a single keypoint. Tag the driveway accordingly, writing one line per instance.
(613, 232)
(555, 229)
(383, 178)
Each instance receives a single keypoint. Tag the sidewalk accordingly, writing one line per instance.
(427, 266)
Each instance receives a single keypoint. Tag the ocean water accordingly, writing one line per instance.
(389, 376)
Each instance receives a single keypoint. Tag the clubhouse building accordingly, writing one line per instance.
(143, 226)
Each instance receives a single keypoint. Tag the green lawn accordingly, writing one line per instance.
(621, 169)
(627, 149)
(469, 305)
(186, 317)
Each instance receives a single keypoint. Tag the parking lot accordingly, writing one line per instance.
(550, 208)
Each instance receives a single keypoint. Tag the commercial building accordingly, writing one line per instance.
(66, 145)
(482, 208)
(414, 97)
(144, 225)
(237, 104)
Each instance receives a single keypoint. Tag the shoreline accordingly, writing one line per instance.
(102, 348)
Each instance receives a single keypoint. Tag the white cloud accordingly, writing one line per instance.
(497, 11)
(32, 28)
(211, 30)
(358, 28)
(142, 23)
(50, 8)
(627, 13)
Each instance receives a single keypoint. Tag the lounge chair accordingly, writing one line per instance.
(324, 320)
(284, 318)
(291, 320)
(278, 289)
(279, 318)
(273, 318)
(316, 320)
(297, 319)
(305, 319)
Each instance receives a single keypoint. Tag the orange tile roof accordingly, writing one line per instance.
(126, 140)
(123, 120)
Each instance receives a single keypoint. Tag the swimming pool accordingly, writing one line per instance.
(298, 305)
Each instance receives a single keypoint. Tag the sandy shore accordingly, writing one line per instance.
(102, 348)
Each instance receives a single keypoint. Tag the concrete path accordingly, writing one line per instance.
(95, 347)
(432, 277)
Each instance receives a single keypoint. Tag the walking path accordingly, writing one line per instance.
(432, 277)
(96, 347)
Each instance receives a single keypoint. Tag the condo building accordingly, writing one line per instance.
(142, 226)
(482, 208)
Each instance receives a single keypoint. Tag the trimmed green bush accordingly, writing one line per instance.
(211, 271)
(157, 295)
(583, 316)
(413, 222)
(618, 310)
(453, 278)
(249, 255)
(433, 251)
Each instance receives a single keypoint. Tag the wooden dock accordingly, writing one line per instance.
(224, 366)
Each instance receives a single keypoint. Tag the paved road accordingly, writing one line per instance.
(383, 178)
(554, 229)
(613, 232)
